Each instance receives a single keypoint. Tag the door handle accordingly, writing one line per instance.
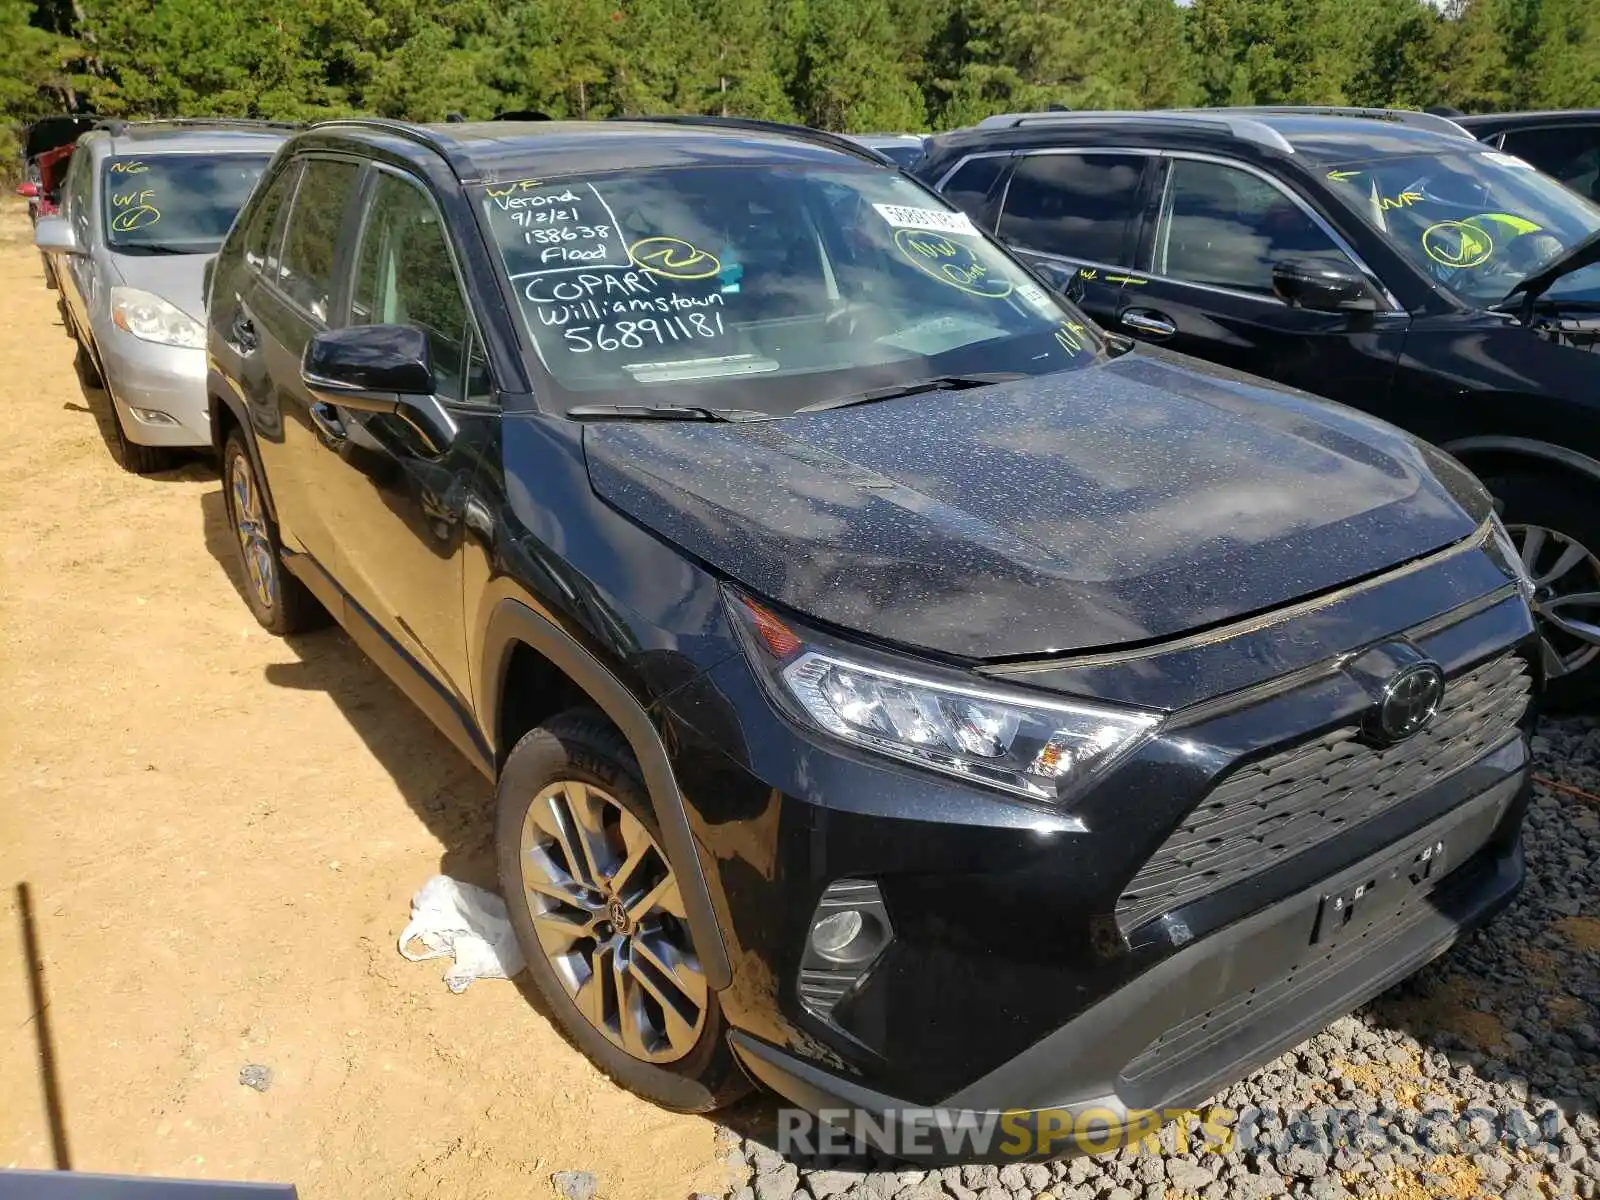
(330, 430)
(1144, 321)
(242, 334)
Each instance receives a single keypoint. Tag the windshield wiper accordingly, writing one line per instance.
(659, 412)
(153, 248)
(935, 383)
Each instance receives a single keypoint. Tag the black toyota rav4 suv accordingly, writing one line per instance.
(897, 693)
(1382, 259)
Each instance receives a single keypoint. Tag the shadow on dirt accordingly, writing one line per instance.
(451, 798)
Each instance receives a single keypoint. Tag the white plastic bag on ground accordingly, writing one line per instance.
(455, 919)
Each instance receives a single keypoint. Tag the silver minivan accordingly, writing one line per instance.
(145, 206)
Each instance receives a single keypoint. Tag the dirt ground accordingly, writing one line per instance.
(221, 832)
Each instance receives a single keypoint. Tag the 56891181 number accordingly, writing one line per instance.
(647, 331)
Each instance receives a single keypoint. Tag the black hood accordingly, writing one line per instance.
(1126, 502)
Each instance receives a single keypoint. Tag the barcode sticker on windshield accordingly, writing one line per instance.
(1508, 160)
(936, 220)
(1036, 296)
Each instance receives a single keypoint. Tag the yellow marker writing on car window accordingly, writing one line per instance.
(508, 189)
(951, 262)
(673, 258)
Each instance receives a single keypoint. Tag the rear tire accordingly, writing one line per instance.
(278, 599)
(573, 823)
(1556, 526)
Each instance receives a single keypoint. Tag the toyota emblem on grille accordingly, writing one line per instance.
(1410, 698)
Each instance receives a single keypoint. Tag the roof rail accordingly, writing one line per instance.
(445, 146)
(1239, 126)
(119, 125)
(835, 141)
(1399, 116)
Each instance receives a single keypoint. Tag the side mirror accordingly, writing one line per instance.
(29, 190)
(1059, 278)
(1323, 286)
(54, 235)
(368, 368)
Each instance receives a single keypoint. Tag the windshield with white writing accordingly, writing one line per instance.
(1479, 222)
(766, 288)
(176, 203)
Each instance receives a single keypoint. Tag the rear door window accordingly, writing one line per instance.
(1571, 153)
(305, 271)
(1080, 206)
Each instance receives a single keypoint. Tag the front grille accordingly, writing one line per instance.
(1280, 806)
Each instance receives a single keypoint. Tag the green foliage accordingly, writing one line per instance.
(842, 64)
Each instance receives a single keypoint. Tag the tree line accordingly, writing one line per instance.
(890, 65)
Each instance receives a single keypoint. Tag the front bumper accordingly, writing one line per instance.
(1020, 974)
(146, 378)
(1207, 1014)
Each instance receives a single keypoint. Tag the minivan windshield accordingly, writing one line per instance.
(765, 288)
(175, 203)
(1477, 221)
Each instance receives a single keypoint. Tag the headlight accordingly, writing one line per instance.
(152, 319)
(1031, 746)
(1513, 557)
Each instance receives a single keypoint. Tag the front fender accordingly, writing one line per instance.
(511, 622)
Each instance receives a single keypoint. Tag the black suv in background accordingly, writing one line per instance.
(1564, 144)
(892, 688)
(1382, 259)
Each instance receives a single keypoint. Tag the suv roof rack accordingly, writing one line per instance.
(116, 126)
(835, 141)
(1399, 116)
(1235, 122)
(442, 144)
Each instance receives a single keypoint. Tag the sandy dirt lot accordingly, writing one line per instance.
(221, 832)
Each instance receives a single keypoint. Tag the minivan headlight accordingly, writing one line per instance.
(1031, 746)
(151, 319)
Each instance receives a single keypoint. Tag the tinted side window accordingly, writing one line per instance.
(262, 236)
(80, 191)
(405, 276)
(1571, 154)
(969, 187)
(1226, 227)
(305, 271)
(1076, 205)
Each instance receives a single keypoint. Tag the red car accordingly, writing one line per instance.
(45, 153)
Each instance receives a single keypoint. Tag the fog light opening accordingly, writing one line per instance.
(153, 416)
(850, 929)
(847, 937)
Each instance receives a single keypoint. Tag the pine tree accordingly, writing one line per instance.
(842, 80)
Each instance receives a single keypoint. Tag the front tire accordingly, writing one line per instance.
(1556, 528)
(136, 458)
(596, 907)
(278, 599)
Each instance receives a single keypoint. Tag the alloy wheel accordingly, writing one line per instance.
(610, 919)
(1566, 581)
(250, 524)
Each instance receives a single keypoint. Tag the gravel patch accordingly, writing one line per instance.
(1478, 1077)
